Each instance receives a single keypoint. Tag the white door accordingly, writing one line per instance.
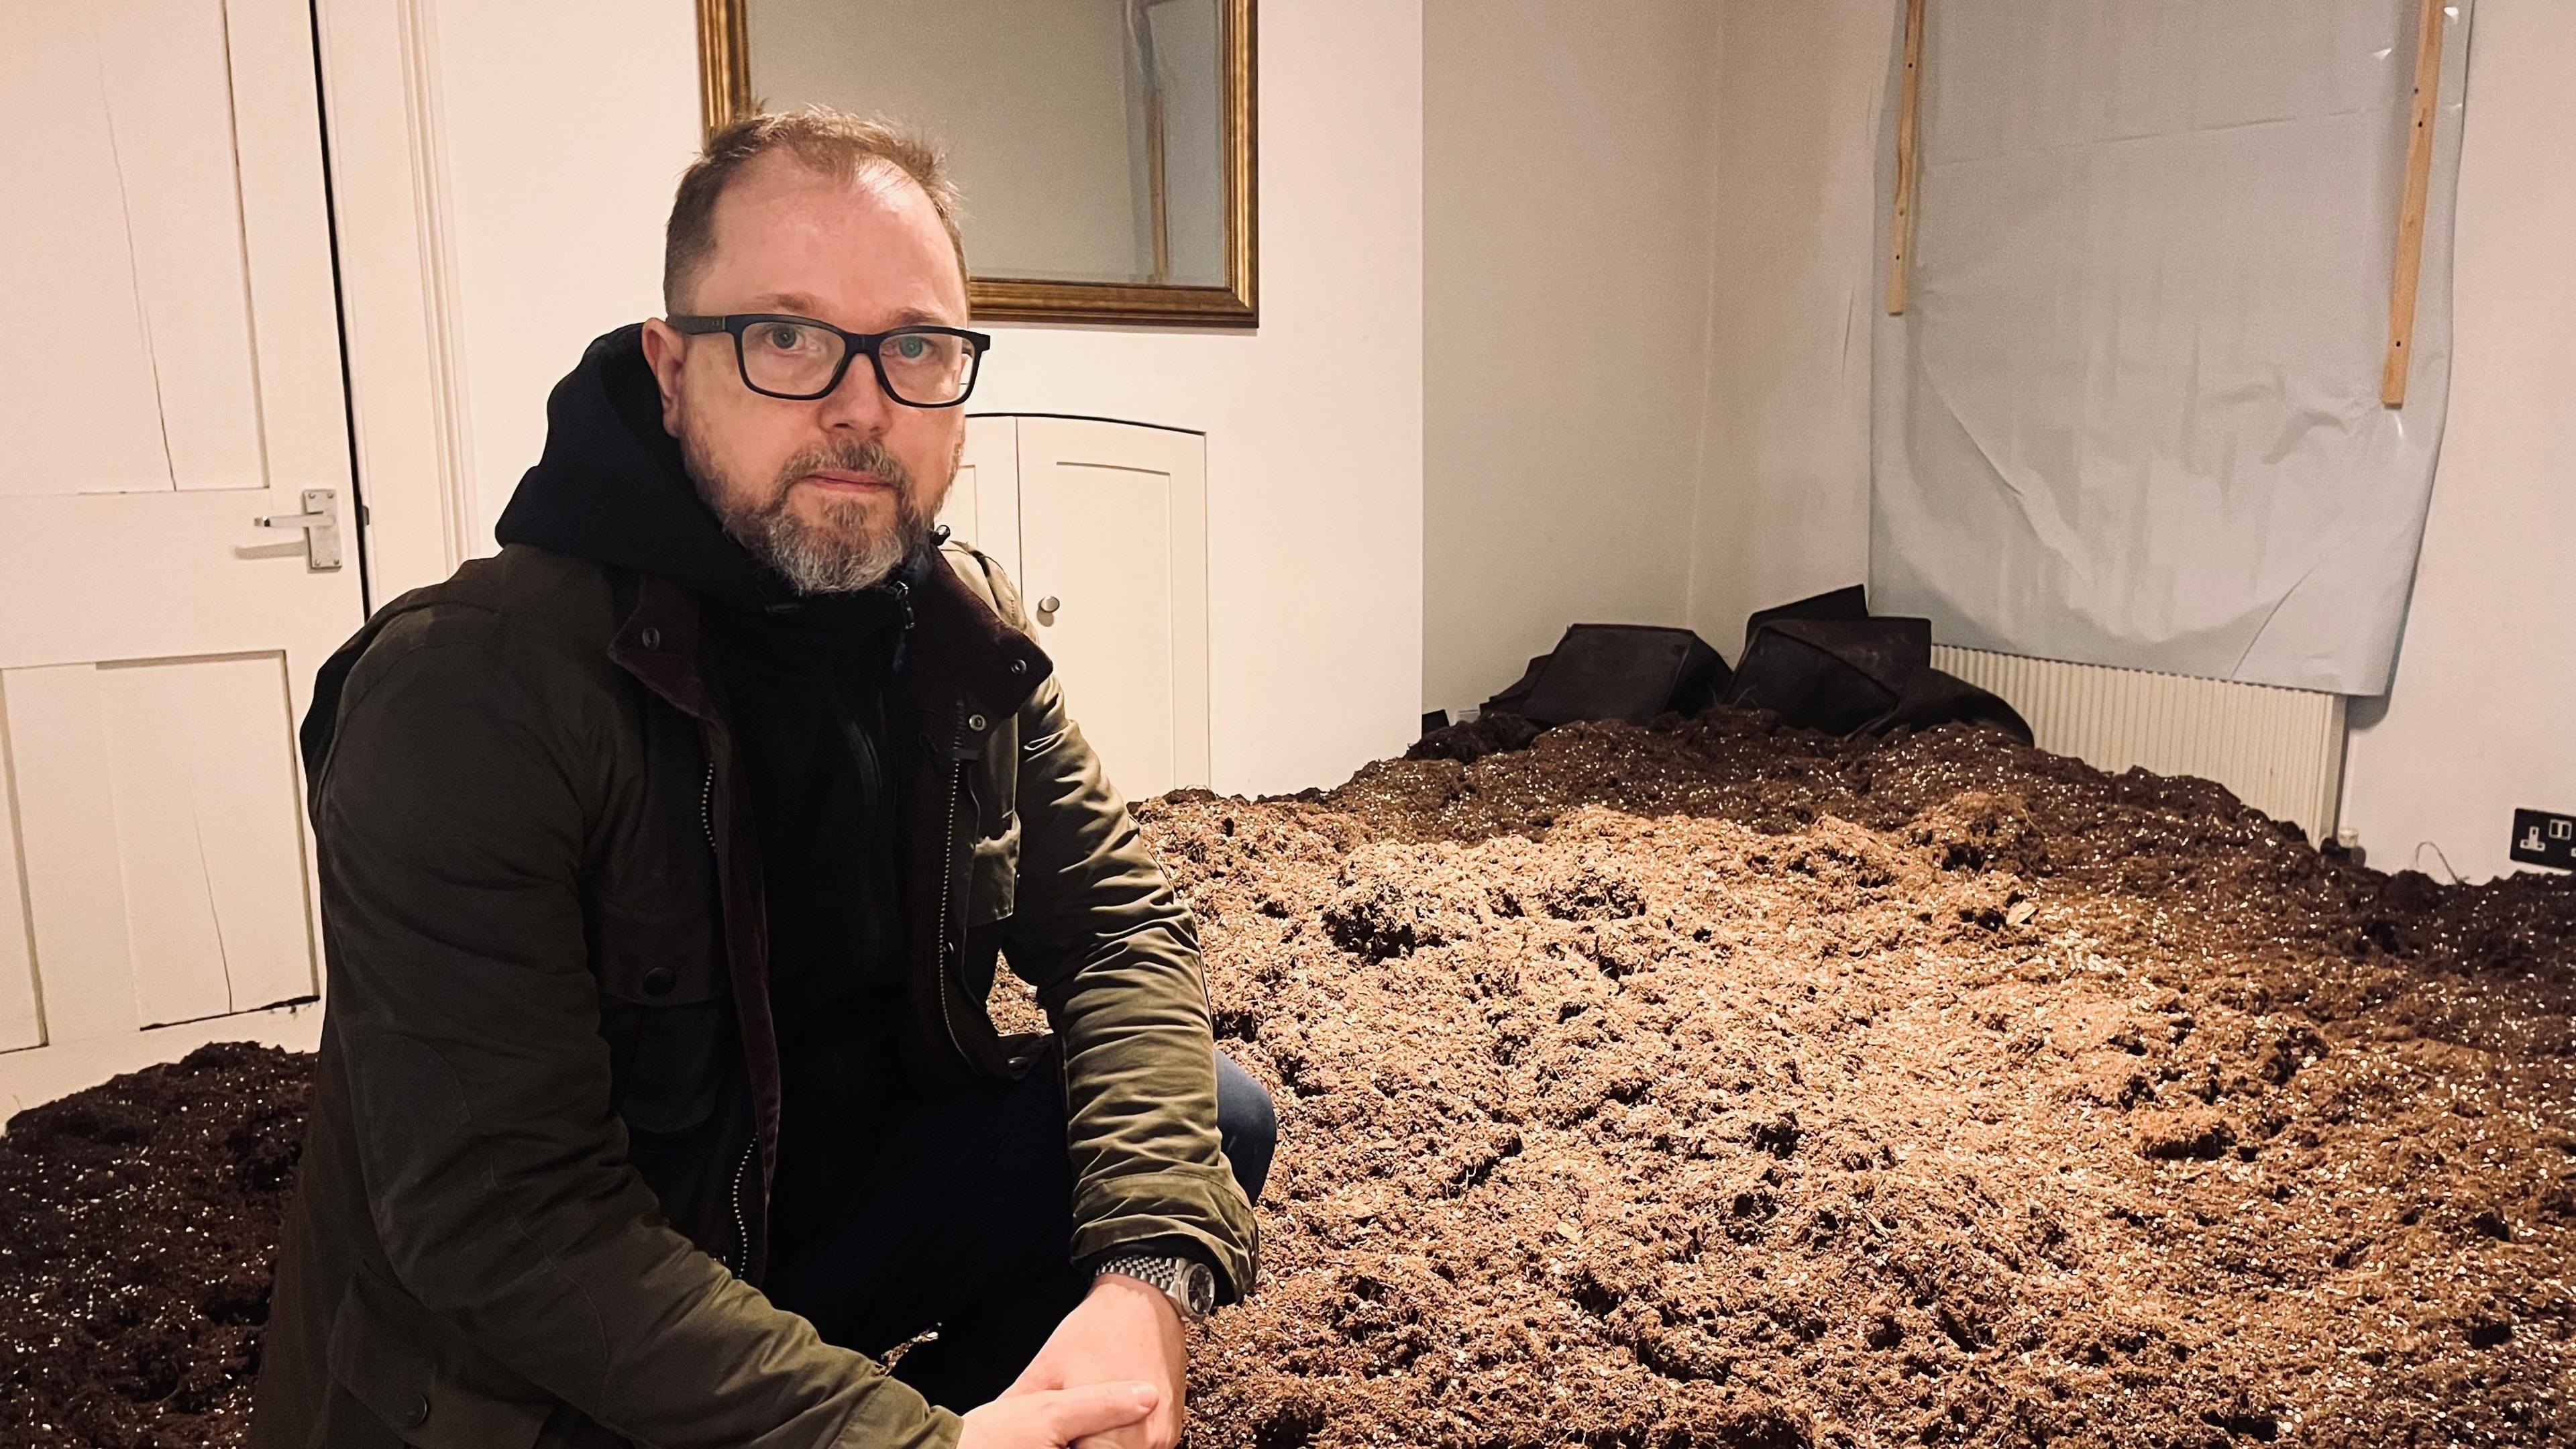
(1113, 553)
(172, 375)
(983, 506)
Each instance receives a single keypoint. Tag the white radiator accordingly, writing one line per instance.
(2279, 750)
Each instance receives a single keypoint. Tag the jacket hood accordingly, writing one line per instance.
(611, 488)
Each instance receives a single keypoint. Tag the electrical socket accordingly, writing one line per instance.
(2543, 838)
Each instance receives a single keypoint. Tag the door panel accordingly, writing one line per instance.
(67, 848)
(984, 505)
(176, 379)
(168, 111)
(159, 841)
(286, 232)
(958, 509)
(127, 107)
(1114, 531)
(21, 1024)
(201, 753)
(1100, 539)
(89, 362)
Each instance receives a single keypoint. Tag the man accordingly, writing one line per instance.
(665, 862)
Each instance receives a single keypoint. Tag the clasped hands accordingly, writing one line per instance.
(1111, 1376)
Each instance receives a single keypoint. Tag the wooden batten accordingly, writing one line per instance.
(2409, 265)
(1909, 161)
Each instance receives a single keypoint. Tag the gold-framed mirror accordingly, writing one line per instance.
(1105, 147)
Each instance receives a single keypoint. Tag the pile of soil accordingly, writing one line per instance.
(138, 1222)
(1704, 1085)
(1721, 1085)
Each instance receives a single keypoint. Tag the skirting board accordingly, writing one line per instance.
(41, 1074)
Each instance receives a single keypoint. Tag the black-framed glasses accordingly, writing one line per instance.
(786, 356)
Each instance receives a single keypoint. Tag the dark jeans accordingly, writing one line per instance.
(962, 1223)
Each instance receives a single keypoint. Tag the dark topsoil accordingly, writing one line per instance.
(1703, 1085)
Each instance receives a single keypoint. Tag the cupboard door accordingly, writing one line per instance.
(983, 504)
(1113, 539)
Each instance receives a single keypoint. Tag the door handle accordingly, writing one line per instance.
(320, 521)
(1047, 607)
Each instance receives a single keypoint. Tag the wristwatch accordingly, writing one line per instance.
(1189, 1283)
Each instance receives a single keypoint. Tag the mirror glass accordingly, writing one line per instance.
(1087, 135)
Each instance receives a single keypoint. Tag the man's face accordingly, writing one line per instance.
(835, 491)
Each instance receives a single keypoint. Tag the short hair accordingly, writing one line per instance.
(830, 142)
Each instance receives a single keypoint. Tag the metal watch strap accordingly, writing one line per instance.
(1186, 1281)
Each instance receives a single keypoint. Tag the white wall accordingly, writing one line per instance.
(567, 123)
(2482, 714)
(1697, 177)
(1567, 203)
(1784, 504)
(565, 126)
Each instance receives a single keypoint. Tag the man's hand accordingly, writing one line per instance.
(1055, 1420)
(1124, 1330)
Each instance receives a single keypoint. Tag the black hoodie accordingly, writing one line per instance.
(801, 680)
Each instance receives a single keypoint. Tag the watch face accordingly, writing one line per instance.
(1199, 1286)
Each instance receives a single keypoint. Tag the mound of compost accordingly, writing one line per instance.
(1716, 1085)
(1704, 1085)
(138, 1222)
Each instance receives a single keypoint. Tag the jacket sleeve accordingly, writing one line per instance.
(1114, 955)
(453, 816)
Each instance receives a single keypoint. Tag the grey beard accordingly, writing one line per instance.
(841, 555)
(822, 560)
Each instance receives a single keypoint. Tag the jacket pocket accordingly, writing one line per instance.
(387, 1357)
(993, 875)
(666, 1009)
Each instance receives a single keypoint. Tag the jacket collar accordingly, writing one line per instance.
(960, 647)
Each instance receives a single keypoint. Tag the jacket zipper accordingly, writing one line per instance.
(741, 1224)
(707, 807)
(948, 880)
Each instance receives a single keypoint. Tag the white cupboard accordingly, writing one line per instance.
(1103, 526)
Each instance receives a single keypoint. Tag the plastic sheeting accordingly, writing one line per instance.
(2131, 415)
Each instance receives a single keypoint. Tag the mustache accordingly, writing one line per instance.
(867, 456)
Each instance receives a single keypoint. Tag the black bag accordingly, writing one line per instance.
(1630, 672)
(1837, 675)
(1824, 664)
(1845, 603)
